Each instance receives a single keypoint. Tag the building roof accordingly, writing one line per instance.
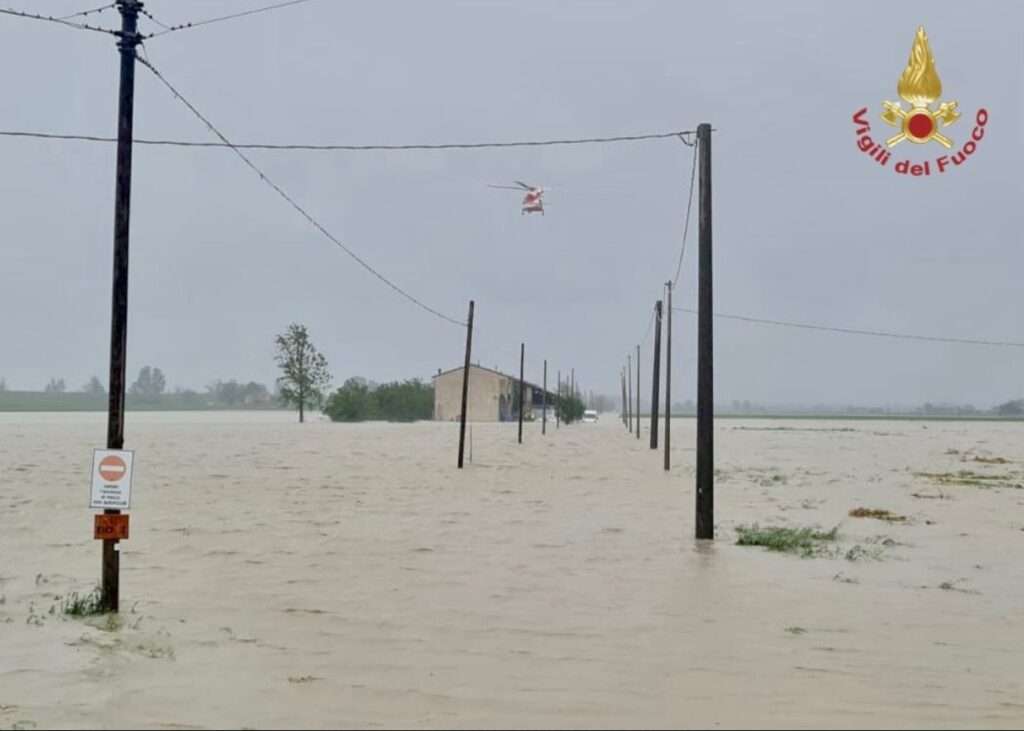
(490, 370)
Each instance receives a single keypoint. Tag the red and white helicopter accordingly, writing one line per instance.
(533, 201)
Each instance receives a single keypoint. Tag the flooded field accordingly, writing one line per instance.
(348, 575)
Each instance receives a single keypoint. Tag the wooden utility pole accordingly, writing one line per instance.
(572, 386)
(465, 383)
(638, 393)
(705, 349)
(558, 403)
(622, 381)
(544, 407)
(656, 375)
(126, 44)
(629, 392)
(668, 381)
(522, 388)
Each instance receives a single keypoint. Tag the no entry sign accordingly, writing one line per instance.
(111, 479)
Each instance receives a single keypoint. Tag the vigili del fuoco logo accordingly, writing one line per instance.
(923, 123)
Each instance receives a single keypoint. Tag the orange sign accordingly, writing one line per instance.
(113, 468)
(111, 527)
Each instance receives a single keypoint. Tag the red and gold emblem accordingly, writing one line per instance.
(920, 87)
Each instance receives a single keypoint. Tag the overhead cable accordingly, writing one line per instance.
(302, 211)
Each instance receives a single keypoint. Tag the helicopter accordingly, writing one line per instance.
(533, 200)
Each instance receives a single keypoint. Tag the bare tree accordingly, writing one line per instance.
(304, 370)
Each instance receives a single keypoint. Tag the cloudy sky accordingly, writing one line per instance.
(806, 228)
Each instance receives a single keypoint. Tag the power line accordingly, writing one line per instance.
(350, 148)
(84, 13)
(292, 202)
(647, 334)
(61, 21)
(853, 331)
(689, 206)
(209, 21)
(154, 19)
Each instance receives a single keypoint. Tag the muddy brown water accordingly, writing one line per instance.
(330, 575)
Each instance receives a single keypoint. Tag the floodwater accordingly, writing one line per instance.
(332, 575)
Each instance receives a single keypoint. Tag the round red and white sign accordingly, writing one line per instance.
(113, 468)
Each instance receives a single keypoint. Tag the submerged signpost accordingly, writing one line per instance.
(115, 527)
(705, 350)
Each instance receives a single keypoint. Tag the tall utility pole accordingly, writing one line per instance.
(558, 403)
(705, 350)
(638, 393)
(544, 407)
(522, 388)
(465, 383)
(126, 44)
(629, 392)
(656, 377)
(622, 381)
(668, 381)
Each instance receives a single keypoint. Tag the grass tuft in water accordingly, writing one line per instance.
(89, 605)
(806, 542)
(968, 478)
(885, 515)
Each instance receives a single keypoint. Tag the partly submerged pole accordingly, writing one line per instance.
(668, 381)
(629, 392)
(558, 402)
(705, 348)
(656, 375)
(128, 40)
(544, 403)
(465, 384)
(522, 389)
(638, 393)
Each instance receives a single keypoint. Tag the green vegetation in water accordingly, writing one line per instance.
(878, 515)
(89, 605)
(405, 401)
(806, 542)
(570, 408)
(969, 478)
(991, 460)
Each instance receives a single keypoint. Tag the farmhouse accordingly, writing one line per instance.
(493, 396)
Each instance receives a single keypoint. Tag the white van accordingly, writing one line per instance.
(589, 416)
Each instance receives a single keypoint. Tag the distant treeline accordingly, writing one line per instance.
(147, 393)
(360, 400)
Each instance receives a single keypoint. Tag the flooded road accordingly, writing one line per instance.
(330, 575)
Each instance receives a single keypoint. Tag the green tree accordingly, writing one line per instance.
(94, 387)
(351, 402)
(407, 401)
(356, 400)
(56, 385)
(570, 408)
(304, 370)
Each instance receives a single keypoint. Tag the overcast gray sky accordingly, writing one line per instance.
(806, 226)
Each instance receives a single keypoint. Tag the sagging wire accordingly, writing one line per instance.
(291, 201)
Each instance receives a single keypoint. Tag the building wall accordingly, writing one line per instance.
(485, 390)
(489, 392)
